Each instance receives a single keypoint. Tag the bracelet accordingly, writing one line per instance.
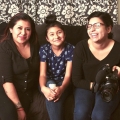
(20, 109)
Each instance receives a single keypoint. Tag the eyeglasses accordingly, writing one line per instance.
(95, 25)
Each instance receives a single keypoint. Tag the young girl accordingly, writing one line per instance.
(55, 67)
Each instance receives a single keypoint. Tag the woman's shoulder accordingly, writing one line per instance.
(117, 45)
(5, 48)
(4, 45)
(82, 43)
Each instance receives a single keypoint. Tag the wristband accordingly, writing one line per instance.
(20, 109)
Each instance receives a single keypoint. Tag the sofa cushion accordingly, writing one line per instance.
(38, 109)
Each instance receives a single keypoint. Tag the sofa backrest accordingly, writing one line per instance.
(2, 28)
(73, 33)
(116, 32)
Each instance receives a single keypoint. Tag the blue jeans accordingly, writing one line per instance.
(90, 106)
(55, 109)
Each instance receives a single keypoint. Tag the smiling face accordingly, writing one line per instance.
(55, 36)
(98, 33)
(21, 32)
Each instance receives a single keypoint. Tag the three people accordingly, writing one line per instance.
(55, 67)
(89, 57)
(19, 67)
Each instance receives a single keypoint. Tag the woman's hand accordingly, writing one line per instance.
(91, 85)
(116, 68)
(21, 114)
(48, 93)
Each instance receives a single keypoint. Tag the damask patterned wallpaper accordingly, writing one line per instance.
(69, 12)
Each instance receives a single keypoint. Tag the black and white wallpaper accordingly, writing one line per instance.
(69, 12)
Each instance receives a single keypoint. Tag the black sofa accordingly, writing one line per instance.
(73, 35)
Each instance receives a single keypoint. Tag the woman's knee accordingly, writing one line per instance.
(103, 110)
(100, 115)
(81, 113)
(83, 104)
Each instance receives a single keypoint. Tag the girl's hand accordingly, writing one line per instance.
(58, 90)
(21, 114)
(117, 68)
(48, 93)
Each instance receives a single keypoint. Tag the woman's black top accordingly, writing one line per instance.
(86, 65)
(23, 73)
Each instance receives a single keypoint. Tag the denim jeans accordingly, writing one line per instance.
(91, 106)
(55, 109)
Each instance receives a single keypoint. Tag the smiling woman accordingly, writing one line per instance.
(89, 57)
(21, 34)
(19, 71)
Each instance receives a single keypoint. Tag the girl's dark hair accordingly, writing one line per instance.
(51, 22)
(105, 17)
(14, 20)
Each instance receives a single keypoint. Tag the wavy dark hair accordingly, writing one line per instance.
(105, 17)
(14, 20)
(50, 21)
